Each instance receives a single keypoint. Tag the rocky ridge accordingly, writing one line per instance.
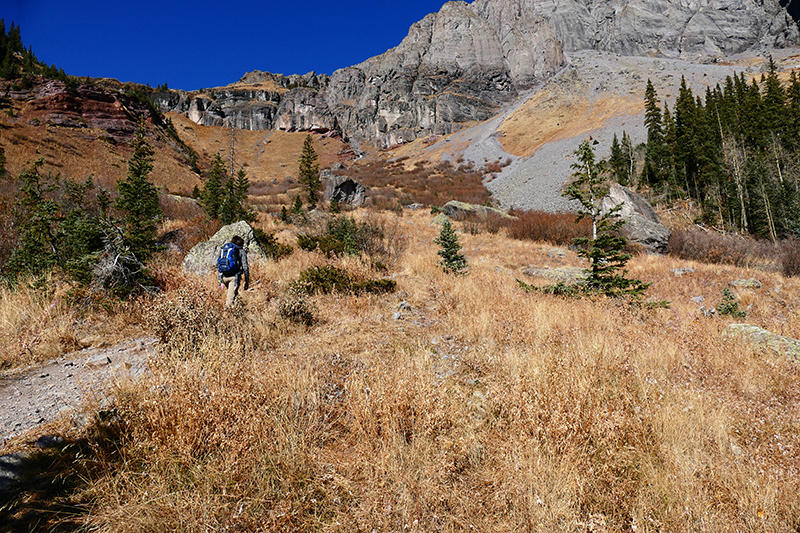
(468, 61)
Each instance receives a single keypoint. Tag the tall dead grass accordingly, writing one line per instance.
(480, 408)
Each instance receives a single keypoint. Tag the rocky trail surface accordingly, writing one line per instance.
(36, 396)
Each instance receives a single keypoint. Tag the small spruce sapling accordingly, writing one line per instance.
(451, 259)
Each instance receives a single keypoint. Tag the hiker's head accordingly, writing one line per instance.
(238, 241)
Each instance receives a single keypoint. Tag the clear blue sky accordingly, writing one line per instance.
(197, 44)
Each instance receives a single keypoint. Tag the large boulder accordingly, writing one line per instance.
(202, 258)
(461, 210)
(642, 225)
(345, 190)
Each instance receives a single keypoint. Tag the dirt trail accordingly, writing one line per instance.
(36, 396)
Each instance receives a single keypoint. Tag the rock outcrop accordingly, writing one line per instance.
(201, 259)
(642, 225)
(88, 106)
(461, 210)
(345, 190)
(766, 339)
(672, 28)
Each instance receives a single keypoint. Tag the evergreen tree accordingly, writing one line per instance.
(451, 259)
(297, 205)
(37, 217)
(605, 250)
(655, 151)
(211, 196)
(309, 172)
(235, 193)
(138, 199)
(618, 162)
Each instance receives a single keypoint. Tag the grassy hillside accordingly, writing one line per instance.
(480, 408)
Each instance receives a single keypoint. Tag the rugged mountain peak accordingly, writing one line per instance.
(466, 62)
(453, 67)
(672, 28)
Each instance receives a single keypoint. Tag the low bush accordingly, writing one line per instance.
(790, 257)
(327, 279)
(556, 228)
(296, 308)
(345, 236)
(274, 249)
(710, 247)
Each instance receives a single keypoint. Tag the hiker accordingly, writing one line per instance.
(232, 264)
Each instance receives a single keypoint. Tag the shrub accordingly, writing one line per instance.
(274, 249)
(344, 236)
(327, 279)
(790, 257)
(710, 247)
(730, 305)
(296, 308)
(556, 228)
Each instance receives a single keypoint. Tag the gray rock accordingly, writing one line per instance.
(766, 339)
(670, 28)
(201, 259)
(97, 361)
(565, 274)
(304, 109)
(345, 190)
(11, 468)
(461, 210)
(642, 225)
(464, 63)
(751, 283)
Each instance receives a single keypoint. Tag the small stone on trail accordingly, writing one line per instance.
(97, 361)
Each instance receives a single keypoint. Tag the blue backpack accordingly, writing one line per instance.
(228, 263)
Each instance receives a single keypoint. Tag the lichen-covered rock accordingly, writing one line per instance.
(764, 338)
(460, 210)
(565, 274)
(751, 283)
(202, 258)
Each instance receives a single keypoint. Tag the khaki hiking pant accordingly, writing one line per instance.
(232, 286)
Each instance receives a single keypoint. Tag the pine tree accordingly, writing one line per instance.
(605, 250)
(655, 150)
(234, 195)
(451, 259)
(37, 217)
(138, 198)
(309, 172)
(211, 195)
(618, 162)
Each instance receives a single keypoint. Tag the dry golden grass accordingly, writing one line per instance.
(484, 408)
(80, 153)
(557, 113)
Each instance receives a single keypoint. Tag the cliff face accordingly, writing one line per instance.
(671, 28)
(467, 61)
